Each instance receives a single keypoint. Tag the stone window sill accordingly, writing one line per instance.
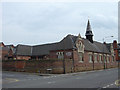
(80, 61)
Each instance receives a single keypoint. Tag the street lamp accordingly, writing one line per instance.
(64, 71)
(104, 59)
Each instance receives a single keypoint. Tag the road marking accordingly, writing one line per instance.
(111, 84)
(51, 82)
(117, 82)
(108, 85)
(10, 80)
(46, 77)
(104, 87)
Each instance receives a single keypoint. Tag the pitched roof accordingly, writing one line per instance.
(67, 43)
(44, 49)
(23, 50)
(95, 46)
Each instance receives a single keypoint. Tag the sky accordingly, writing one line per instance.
(33, 23)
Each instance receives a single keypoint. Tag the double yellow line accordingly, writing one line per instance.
(12, 79)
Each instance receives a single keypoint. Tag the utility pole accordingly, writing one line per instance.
(64, 71)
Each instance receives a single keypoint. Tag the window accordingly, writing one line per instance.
(104, 58)
(100, 58)
(60, 55)
(80, 57)
(107, 59)
(90, 58)
(112, 58)
(95, 58)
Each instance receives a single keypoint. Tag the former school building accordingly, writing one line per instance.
(84, 52)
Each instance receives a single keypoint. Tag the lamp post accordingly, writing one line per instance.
(104, 59)
(64, 71)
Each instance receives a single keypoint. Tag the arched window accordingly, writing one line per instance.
(81, 57)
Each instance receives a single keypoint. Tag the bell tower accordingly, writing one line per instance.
(89, 34)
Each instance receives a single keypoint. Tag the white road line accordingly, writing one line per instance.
(111, 84)
(108, 85)
(51, 82)
(104, 87)
(46, 77)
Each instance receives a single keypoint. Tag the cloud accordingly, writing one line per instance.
(31, 23)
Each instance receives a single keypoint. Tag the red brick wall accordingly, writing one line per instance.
(3, 53)
(19, 64)
(23, 57)
(37, 65)
(86, 65)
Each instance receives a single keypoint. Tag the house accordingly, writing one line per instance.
(23, 52)
(5, 52)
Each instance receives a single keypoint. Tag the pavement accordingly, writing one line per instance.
(90, 79)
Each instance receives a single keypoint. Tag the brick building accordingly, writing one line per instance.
(6, 52)
(71, 47)
(83, 50)
(73, 52)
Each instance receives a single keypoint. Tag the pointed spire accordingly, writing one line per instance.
(79, 35)
(88, 30)
(88, 25)
(89, 34)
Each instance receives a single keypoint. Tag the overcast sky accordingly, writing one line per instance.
(40, 23)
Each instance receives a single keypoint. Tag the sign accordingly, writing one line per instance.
(68, 53)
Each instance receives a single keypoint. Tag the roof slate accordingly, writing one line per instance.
(67, 43)
(23, 50)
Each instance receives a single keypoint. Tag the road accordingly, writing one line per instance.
(89, 79)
